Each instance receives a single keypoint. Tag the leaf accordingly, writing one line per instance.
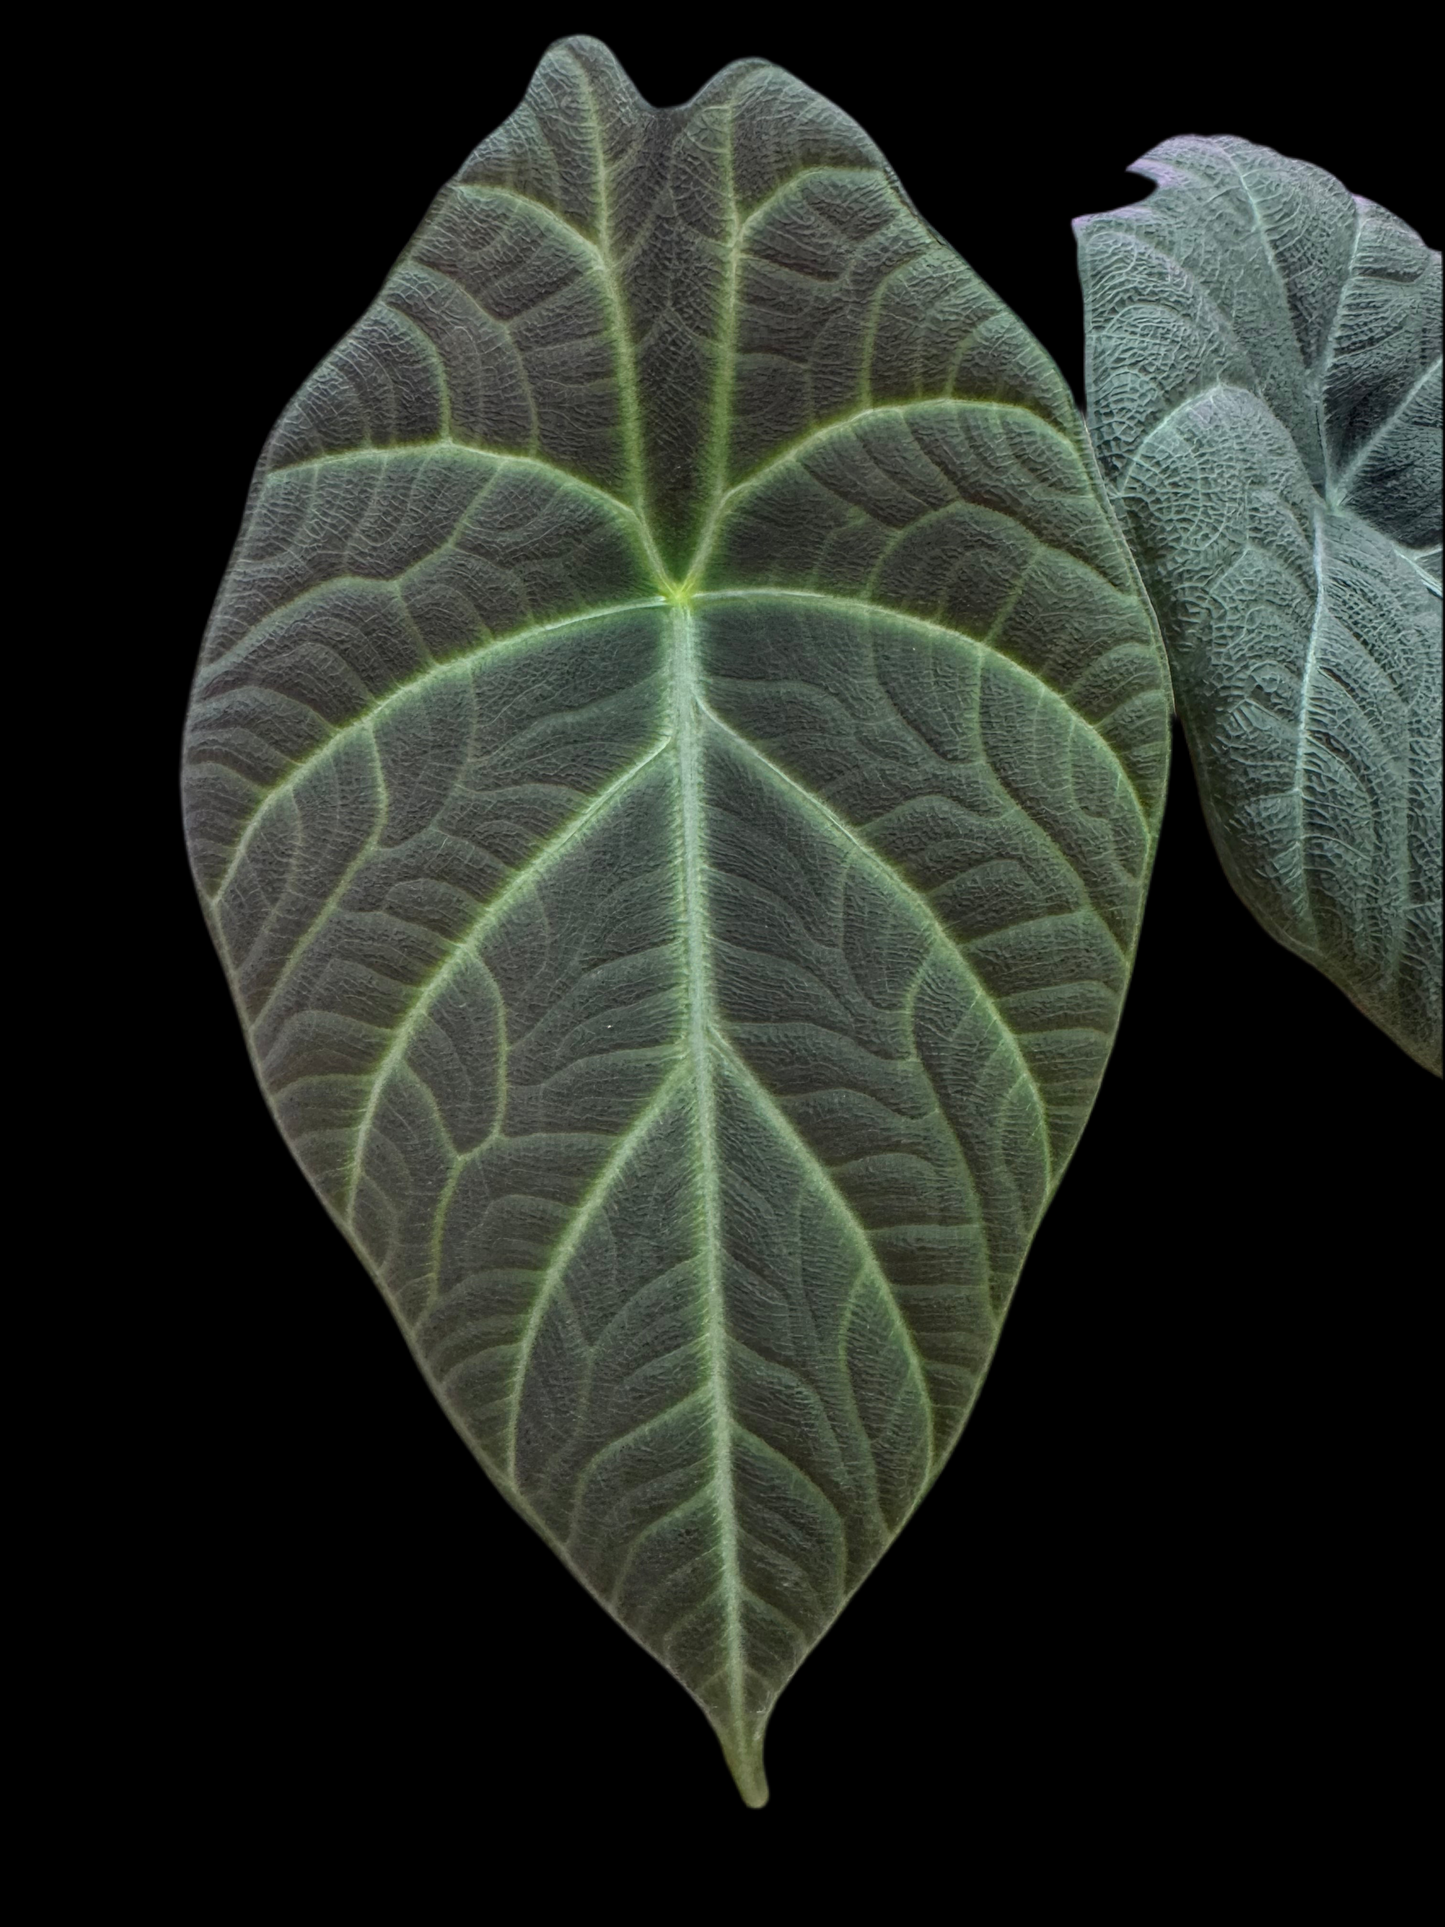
(1263, 370)
(672, 774)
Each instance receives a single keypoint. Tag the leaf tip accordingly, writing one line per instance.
(744, 1755)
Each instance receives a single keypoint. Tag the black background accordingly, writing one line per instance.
(1168, 1591)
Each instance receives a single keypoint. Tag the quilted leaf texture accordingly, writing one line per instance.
(1263, 370)
(672, 774)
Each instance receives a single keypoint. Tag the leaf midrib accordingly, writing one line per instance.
(702, 1018)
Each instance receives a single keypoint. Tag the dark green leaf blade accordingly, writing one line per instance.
(673, 773)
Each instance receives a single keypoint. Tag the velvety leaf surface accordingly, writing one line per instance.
(672, 773)
(1263, 368)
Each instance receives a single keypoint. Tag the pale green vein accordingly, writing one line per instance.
(1319, 374)
(692, 1503)
(1041, 1131)
(1340, 487)
(812, 1163)
(869, 344)
(783, 187)
(1325, 358)
(900, 885)
(869, 1454)
(919, 1485)
(434, 357)
(461, 1161)
(855, 606)
(334, 897)
(1258, 218)
(500, 331)
(727, 351)
(841, 425)
(429, 1098)
(802, 1478)
(582, 1216)
(1166, 420)
(486, 919)
(449, 445)
(700, 1017)
(410, 688)
(1302, 729)
(606, 1453)
(626, 369)
(1133, 242)
(748, 1773)
(493, 190)
(438, 1236)
(1416, 559)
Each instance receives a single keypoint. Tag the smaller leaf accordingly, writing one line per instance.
(1263, 374)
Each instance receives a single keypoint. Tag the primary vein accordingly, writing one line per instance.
(700, 1014)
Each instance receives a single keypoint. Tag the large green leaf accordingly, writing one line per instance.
(672, 772)
(1263, 372)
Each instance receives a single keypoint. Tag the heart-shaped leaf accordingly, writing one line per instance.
(672, 773)
(1263, 370)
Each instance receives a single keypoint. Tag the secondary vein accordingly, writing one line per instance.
(488, 915)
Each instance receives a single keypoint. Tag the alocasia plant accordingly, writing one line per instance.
(672, 775)
(1263, 370)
